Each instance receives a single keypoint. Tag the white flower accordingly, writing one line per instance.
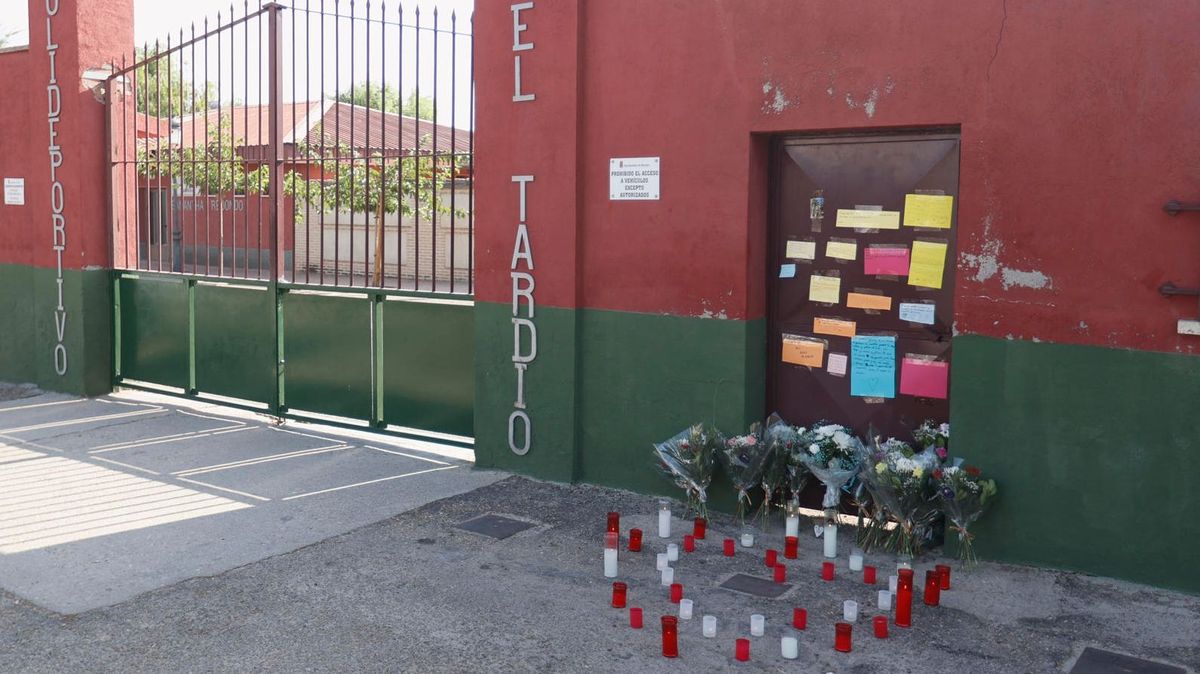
(841, 438)
(813, 448)
(950, 470)
(826, 431)
(944, 429)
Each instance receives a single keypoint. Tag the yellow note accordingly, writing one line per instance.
(833, 326)
(849, 217)
(928, 210)
(801, 250)
(805, 352)
(827, 289)
(868, 301)
(928, 261)
(841, 250)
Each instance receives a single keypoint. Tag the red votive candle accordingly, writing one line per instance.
(619, 591)
(780, 573)
(841, 637)
(614, 522)
(791, 546)
(881, 626)
(799, 618)
(635, 618)
(689, 543)
(729, 547)
(904, 592)
(944, 573)
(670, 636)
(676, 592)
(933, 587)
(742, 650)
(772, 557)
(827, 570)
(635, 540)
(869, 575)
(699, 528)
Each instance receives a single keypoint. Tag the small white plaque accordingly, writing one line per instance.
(14, 191)
(633, 179)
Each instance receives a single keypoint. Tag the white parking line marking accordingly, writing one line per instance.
(29, 407)
(126, 465)
(411, 456)
(85, 420)
(181, 437)
(231, 491)
(363, 484)
(262, 459)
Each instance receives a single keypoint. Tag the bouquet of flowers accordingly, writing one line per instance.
(898, 479)
(933, 435)
(688, 458)
(963, 495)
(744, 458)
(781, 437)
(833, 454)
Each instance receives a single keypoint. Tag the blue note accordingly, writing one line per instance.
(787, 271)
(873, 366)
(917, 312)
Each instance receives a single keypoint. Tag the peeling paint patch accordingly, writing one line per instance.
(829, 92)
(871, 102)
(1025, 279)
(776, 104)
(720, 315)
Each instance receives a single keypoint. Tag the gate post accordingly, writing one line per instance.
(274, 187)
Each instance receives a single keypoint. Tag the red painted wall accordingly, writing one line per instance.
(1078, 118)
(16, 141)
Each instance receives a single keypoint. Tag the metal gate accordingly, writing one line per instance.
(291, 213)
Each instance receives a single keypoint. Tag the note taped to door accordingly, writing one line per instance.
(800, 351)
(862, 219)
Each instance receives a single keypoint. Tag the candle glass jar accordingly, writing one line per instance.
(944, 574)
(827, 570)
(670, 636)
(676, 592)
(881, 626)
(771, 558)
(791, 547)
(729, 547)
(742, 650)
(842, 635)
(904, 592)
(635, 540)
(672, 552)
(614, 522)
(758, 625)
(780, 573)
(710, 626)
(850, 611)
(933, 587)
(799, 618)
(789, 648)
(829, 537)
(685, 609)
(689, 543)
(618, 594)
(664, 518)
(699, 528)
(635, 618)
(869, 574)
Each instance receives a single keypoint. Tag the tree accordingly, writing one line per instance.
(161, 91)
(386, 98)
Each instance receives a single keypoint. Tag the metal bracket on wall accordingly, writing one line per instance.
(1175, 207)
(1168, 289)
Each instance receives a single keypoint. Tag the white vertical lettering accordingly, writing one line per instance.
(520, 367)
(518, 292)
(518, 46)
(522, 180)
(528, 432)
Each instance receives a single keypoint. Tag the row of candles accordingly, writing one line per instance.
(900, 585)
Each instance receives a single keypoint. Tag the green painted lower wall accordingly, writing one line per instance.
(28, 296)
(1096, 452)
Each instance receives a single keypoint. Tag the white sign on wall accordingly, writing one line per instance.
(633, 179)
(14, 191)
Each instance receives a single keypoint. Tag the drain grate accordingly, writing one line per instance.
(1099, 661)
(496, 526)
(759, 587)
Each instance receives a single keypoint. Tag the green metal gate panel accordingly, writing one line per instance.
(235, 341)
(327, 356)
(154, 330)
(429, 365)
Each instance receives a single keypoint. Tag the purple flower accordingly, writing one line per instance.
(948, 493)
(941, 452)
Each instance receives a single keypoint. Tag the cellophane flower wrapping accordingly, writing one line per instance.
(832, 453)
(898, 480)
(933, 436)
(688, 458)
(744, 458)
(963, 495)
(785, 438)
(780, 438)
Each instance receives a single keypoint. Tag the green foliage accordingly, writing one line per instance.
(386, 98)
(161, 91)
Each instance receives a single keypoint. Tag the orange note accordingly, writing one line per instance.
(803, 352)
(832, 326)
(866, 301)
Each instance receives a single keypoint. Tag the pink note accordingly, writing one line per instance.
(885, 260)
(923, 378)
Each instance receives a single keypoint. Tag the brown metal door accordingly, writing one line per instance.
(862, 173)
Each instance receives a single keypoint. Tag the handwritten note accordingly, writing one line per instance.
(868, 301)
(833, 326)
(837, 364)
(917, 312)
(850, 217)
(842, 250)
(878, 260)
(928, 262)
(928, 210)
(800, 250)
(826, 289)
(800, 351)
(924, 378)
(787, 271)
(873, 366)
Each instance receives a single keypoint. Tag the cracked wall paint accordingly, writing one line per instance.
(871, 102)
(1025, 279)
(776, 103)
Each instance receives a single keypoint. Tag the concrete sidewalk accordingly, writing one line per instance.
(416, 594)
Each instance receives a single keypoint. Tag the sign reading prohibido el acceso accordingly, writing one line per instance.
(633, 179)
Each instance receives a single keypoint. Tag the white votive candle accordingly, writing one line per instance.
(747, 540)
(610, 563)
(758, 625)
(789, 647)
(856, 561)
(893, 581)
(830, 537)
(660, 561)
(668, 576)
(672, 553)
(710, 626)
(850, 611)
(885, 600)
(664, 518)
(792, 526)
(685, 609)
